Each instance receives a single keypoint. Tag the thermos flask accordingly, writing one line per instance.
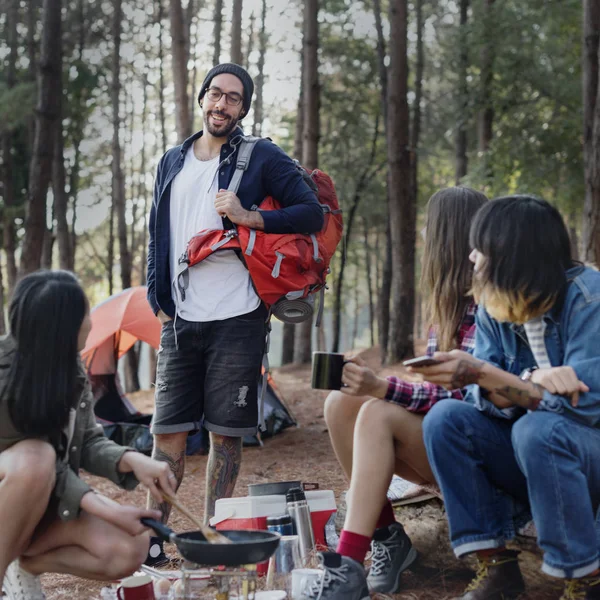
(298, 509)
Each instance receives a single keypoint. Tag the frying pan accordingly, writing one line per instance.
(249, 547)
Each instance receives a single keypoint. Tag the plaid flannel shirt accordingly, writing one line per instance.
(420, 397)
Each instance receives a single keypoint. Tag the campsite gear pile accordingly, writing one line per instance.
(287, 270)
(251, 512)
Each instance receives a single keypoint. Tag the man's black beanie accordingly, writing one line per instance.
(240, 73)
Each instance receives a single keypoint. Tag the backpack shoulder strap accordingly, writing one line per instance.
(247, 144)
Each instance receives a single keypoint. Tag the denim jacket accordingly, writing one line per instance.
(572, 337)
(271, 172)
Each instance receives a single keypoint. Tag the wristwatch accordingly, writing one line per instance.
(527, 373)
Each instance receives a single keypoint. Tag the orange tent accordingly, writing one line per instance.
(117, 323)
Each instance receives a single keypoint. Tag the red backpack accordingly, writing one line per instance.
(287, 270)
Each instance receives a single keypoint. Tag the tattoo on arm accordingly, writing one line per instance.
(467, 371)
(529, 399)
(177, 465)
(222, 470)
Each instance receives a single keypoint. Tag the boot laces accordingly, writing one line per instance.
(483, 570)
(330, 577)
(381, 558)
(576, 589)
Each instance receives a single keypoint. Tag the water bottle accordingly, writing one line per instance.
(282, 524)
(298, 509)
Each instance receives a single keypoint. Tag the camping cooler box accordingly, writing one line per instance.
(251, 512)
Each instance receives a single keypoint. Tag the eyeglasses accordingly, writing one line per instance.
(214, 94)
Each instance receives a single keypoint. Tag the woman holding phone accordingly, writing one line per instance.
(375, 423)
(528, 432)
(52, 521)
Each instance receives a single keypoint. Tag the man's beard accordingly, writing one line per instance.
(224, 130)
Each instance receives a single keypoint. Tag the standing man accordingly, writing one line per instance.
(212, 343)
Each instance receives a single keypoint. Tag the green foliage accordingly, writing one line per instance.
(16, 105)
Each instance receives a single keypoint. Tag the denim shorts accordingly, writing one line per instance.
(208, 374)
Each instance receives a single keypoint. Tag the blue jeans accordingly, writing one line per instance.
(486, 467)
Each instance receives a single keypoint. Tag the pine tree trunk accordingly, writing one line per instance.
(161, 76)
(179, 45)
(8, 192)
(310, 146)
(61, 199)
(402, 205)
(236, 33)
(383, 304)
(260, 78)
(250, 41)
(591, 132)
(47, 249)
(461, 159)
(118, 182)
(2, 301)
(45, 129)
(486, 113)
(368, 271)
(218, 25)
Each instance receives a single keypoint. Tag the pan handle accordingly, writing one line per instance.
(164, 532)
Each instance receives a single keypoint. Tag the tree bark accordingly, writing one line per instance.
(161, 76)
(361, 183)
(250, 41)
(415, 135)
(289, 329)
(45, 129)
(383, 307)
(486, 112)
(218, 25)
(179, 45)
(310, 146)
(8, 192)
(402, 204)
(2, 301)
(260, 78)
(461, 159)
(118, 181)
(61, 199)
(591, 132)
(236, 33)
(368, 271)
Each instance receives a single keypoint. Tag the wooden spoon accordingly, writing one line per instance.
(212, 536)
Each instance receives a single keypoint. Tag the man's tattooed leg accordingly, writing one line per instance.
(222, 470)
(529, 399)
(176, 463)
(467, 371)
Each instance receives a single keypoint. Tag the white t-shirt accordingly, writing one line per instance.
(219, 286)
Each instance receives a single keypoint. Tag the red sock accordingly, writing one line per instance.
(386, 516)
(490, 552)
(353, 545)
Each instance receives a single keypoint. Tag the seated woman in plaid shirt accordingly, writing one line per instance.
(386, 414)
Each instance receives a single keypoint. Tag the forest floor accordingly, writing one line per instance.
(304, 453)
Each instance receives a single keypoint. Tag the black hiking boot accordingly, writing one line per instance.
(498, 577)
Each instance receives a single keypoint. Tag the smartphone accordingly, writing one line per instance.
(421, 361)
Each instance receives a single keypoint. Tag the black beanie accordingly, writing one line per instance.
(240, 73)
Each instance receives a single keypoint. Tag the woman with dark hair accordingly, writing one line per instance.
(528, 433)
(52, 521)
(375, 423)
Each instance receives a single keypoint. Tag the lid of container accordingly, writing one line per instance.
(295, 494)
(279, 520)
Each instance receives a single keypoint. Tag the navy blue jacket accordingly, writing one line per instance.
(271, 172)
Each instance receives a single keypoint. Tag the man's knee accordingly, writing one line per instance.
(341, 408)
(32, 465)
(170, 441)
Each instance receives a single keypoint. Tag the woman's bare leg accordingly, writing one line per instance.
(88, 547)
(27, 475)
(341, 412)
(387, 439)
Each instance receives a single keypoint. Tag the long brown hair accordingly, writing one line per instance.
(446, 271)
